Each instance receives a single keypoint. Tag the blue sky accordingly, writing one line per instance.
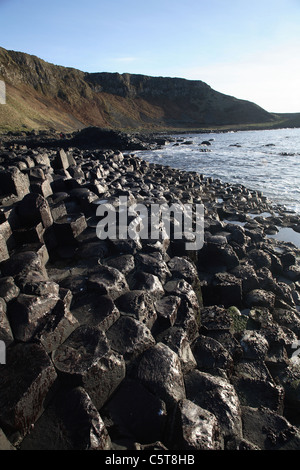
(248, 49)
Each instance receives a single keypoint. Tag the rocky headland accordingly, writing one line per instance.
(41, 95)
(141, 344)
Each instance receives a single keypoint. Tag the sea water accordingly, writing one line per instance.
(267, 160)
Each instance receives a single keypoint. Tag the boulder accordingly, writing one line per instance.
(159, 370)
(194, 429)
(153, 264)
(226, 290)
(212, 357)
(81, 421)
(218, 396)
(247, 274)
(260, 298)
(29, 314)
(25, 384)
(68, 228)
(182, 289)
(268, 430)
(255, 386)
(24, 266)
(42, 187)
(60, 324)
(214, 318)
(167, 308)
(124, 263)
(139, 304)
(148, 282)
(13, 181)
(177, 340)
(85, 359)
(61, 160)
(143, 418)
(34, 209)
(260, 258)
(288, 318)
(107, 281)
(255, 346)
(95, 310)
(129, 337)
(70, 422)
(183, 268)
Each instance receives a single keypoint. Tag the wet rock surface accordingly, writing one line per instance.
(123, 343)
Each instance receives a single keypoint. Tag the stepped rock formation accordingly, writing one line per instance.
(41, 95)
(140, 343)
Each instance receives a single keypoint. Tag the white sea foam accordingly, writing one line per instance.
(267, 161)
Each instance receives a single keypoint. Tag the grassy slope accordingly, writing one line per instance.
(40, 95)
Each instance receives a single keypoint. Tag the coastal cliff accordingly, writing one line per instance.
(40, 95)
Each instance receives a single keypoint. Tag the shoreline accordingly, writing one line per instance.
(104, 323)
(47, 134)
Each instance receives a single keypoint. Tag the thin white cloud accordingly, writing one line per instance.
(124, 59)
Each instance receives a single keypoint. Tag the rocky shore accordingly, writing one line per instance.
(141, 344)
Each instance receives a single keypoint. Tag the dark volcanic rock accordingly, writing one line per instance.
(85, 359)
(108, 281)
(14, 182)
(153, 264)
(25, 383)
(217, 396)
(255, 386)
(141, 344)
(95, 310)
(211, 356)
(194, 428)
(216, 319)
(124, 263)
(167, 308)
(177, 339)
(81, 420)
(268, 430)
(71, 422)
(140, 305)
(68, 228)
(147, 282)
(260, 298)
(159, 370)
(136, 413)
(28, 314)
(33, 209)
(226, 290)
(94, 137)
(183, 268)
(130, 337)
(24, 266)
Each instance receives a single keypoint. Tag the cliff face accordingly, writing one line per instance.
(43, 95)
